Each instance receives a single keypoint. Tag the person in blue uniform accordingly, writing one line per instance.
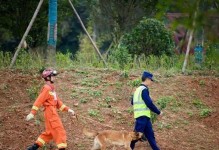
(143, 105)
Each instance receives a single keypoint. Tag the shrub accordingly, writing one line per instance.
(120, 56)
(149, 37)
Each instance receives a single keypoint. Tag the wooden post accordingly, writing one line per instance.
(26, 33)
(82, 24)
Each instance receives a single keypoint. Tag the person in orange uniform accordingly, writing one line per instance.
(51, 102)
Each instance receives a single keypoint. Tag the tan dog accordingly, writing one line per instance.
(112, 137)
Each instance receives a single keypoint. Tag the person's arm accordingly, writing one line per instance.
(44, 95)
(148, 101)
(131, 99)
(61, 106)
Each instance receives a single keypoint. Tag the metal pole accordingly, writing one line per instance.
(26, 33)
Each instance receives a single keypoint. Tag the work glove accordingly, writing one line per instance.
(71, 111)
(29, 117)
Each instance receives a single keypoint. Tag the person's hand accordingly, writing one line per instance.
(29, 117)
(161, 113)
(72, 112)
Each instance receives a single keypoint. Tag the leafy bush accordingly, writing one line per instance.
(120, 56)
(212, 57)
(149, 37)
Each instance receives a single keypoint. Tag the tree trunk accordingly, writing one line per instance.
(94, 45)
(26, 33)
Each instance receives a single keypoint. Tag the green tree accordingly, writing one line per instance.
(149, 37)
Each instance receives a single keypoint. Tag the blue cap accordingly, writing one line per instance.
(147, 75)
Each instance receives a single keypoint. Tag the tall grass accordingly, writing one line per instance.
(167, 65)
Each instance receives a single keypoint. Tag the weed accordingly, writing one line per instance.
(108, 99)
(95, 93)
(33, 92)
(198, 103)
(93, 113)
(130, 110)
(135, 83)
(202, 82)
(83, 100)
(163, 101)
(205, 112)
(4, 87)
(125, 74)
(105, 105)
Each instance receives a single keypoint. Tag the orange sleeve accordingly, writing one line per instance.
(61, 106)
(44, 95)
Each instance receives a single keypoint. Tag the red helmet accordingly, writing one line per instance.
(49, 72)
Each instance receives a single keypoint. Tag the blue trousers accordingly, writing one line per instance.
(143, 125)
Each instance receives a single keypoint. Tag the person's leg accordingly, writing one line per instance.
(42, 140)
(139, 127)
(149, 133)
(33, 147)
(59, 137)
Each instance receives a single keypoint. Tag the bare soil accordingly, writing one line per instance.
(103, 96)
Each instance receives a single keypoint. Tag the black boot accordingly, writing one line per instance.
(62, 149)
(34, 147)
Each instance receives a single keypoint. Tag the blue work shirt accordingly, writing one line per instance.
(148, 101)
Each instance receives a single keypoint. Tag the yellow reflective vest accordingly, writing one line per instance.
(140, 108)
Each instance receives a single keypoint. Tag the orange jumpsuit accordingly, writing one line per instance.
(54, 128)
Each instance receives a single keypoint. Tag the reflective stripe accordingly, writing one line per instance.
(139, 102)
(62, 145)
(41, 141)
(62, 107)
(140, 109)
(35, 108)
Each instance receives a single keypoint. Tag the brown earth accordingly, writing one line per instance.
(103, 96)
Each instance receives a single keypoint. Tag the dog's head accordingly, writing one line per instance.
(135, 135)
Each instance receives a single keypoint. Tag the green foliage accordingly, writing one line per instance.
(27, 61)
(120, 56)
(64, 60)
(212, 57)
(5, 59)
(198, 103)
(164, 101)
(150, 36)
(33, 91)
(135, 82)
(205, 112)
(93, 113)
(83, 100)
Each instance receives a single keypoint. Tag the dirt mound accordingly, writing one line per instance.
(100, 97)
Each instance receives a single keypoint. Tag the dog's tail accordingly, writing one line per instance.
(89, 133)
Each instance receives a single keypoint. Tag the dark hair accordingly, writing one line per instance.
(143, 79)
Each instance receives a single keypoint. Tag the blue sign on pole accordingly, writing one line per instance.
(198, 54)
(52, 25)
